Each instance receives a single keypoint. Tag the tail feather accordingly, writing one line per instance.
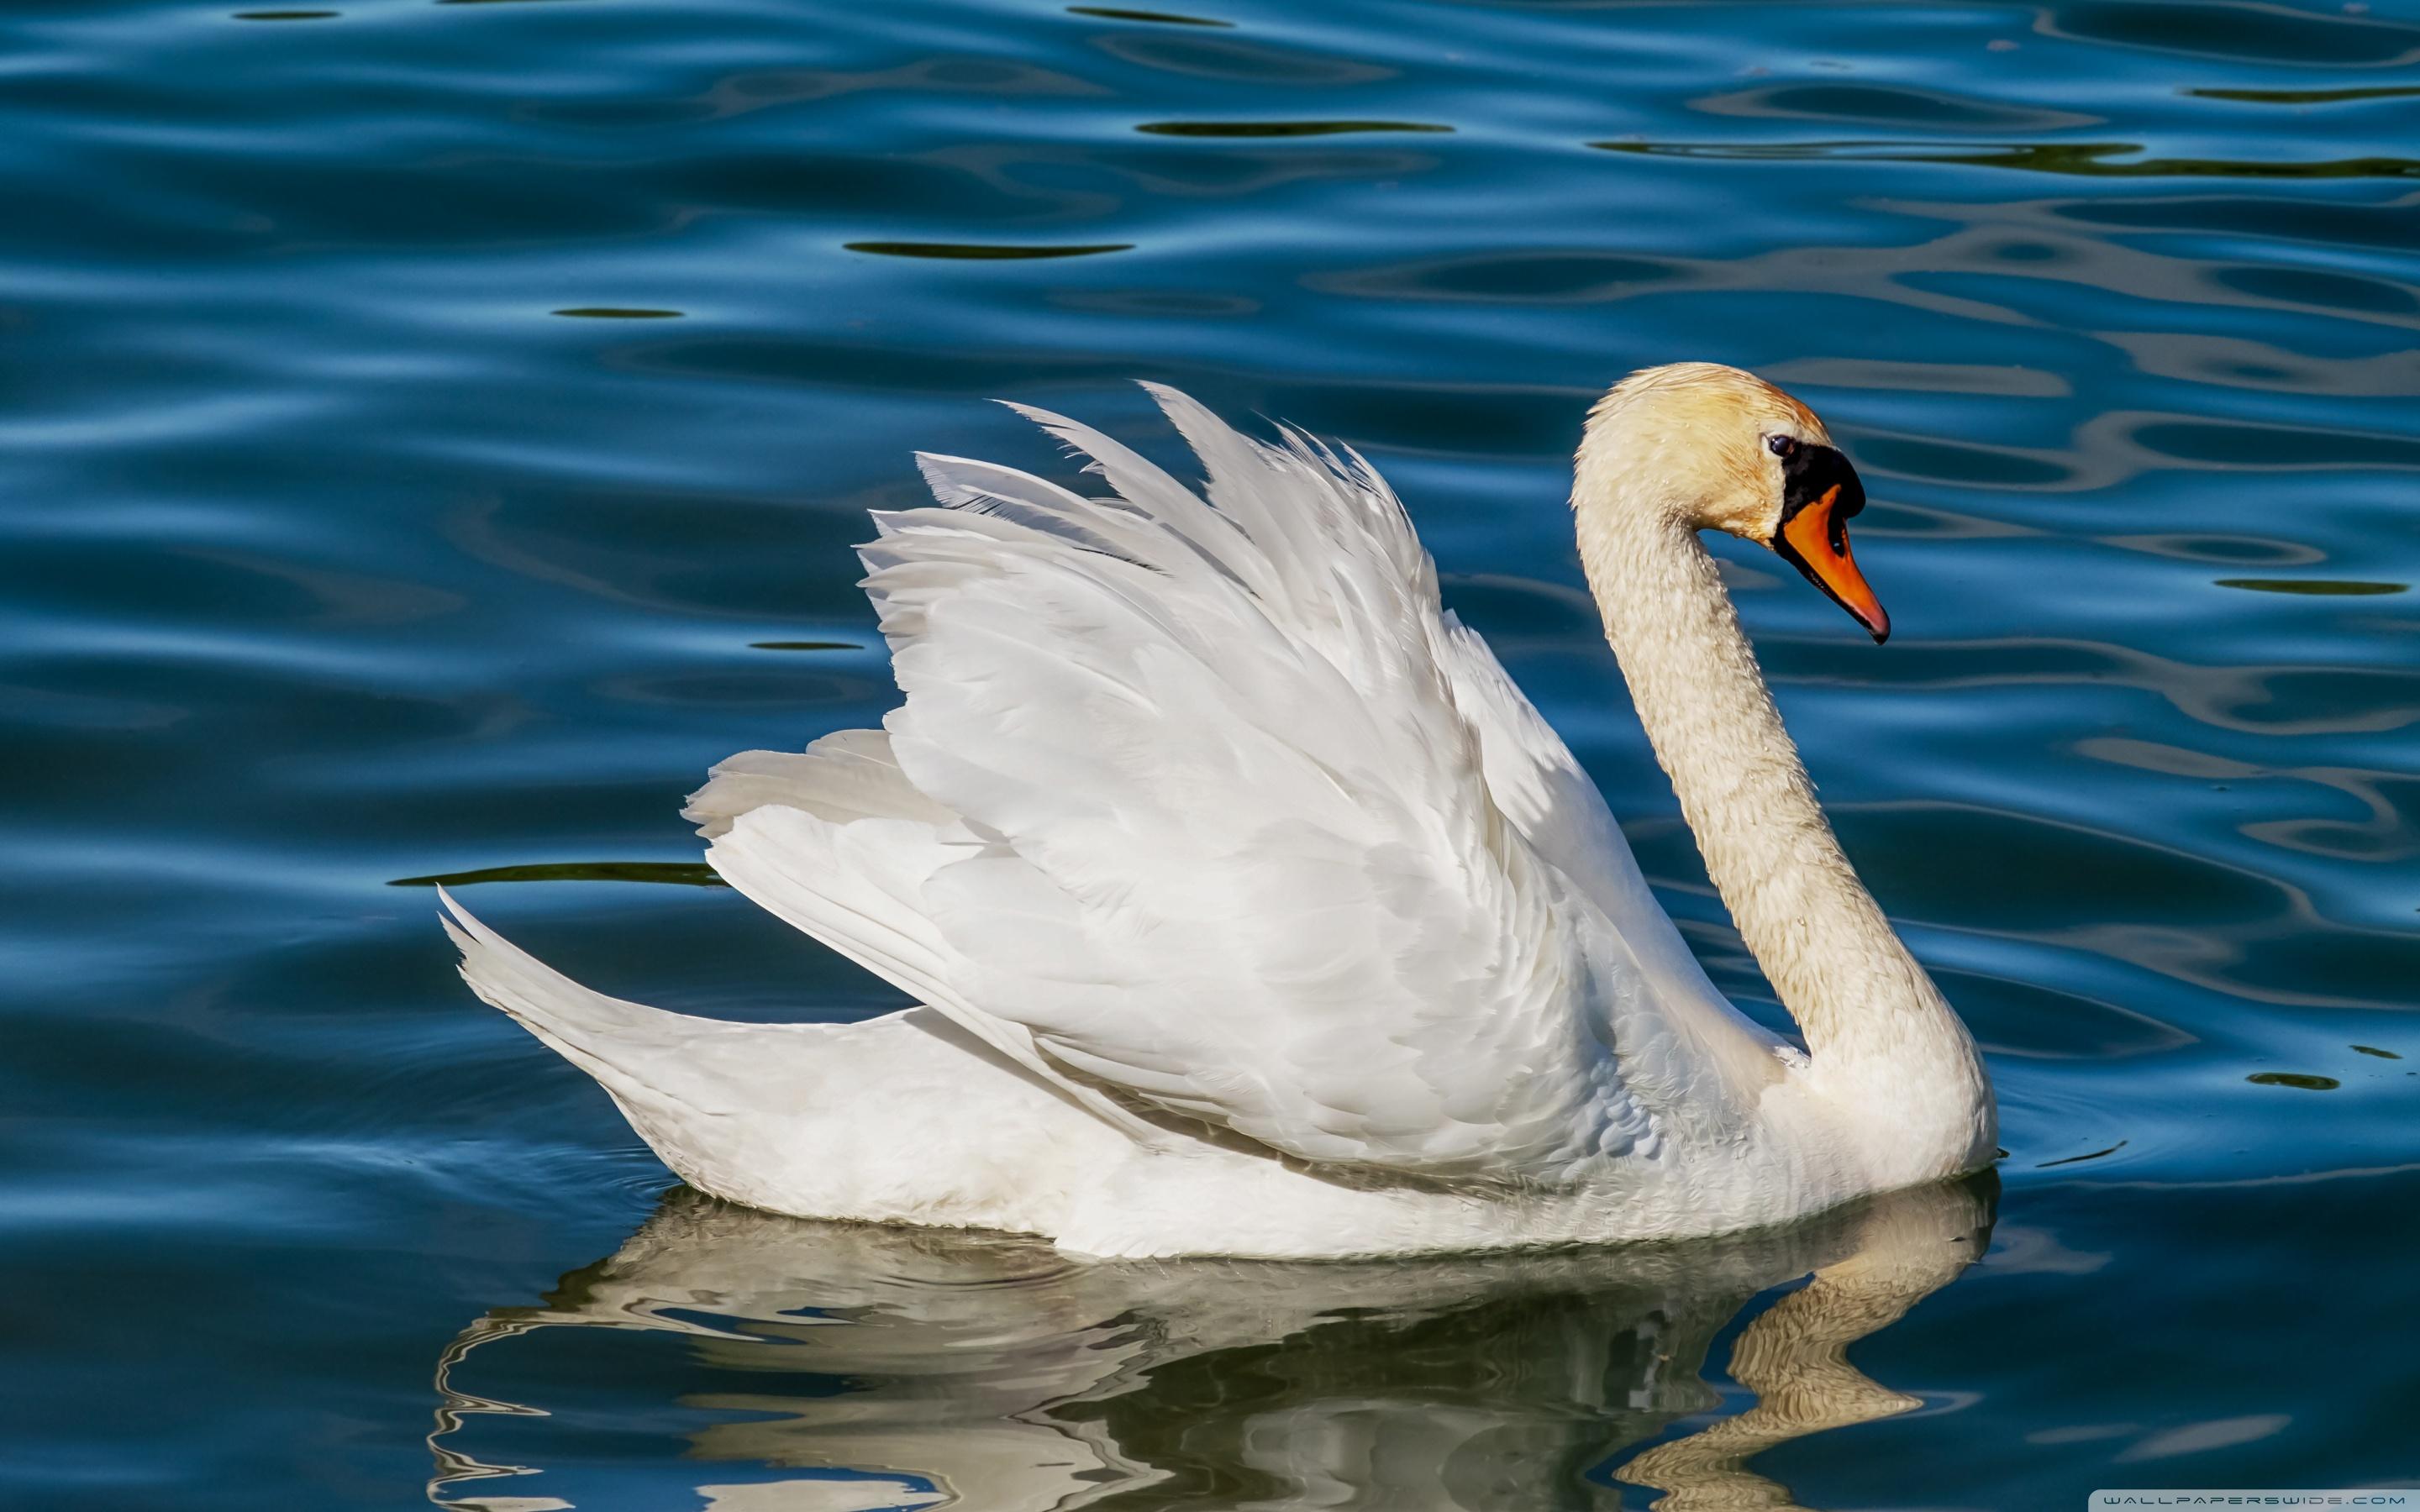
(654, 1062)
(901, 1119)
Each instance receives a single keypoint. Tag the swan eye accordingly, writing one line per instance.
(1784, 447)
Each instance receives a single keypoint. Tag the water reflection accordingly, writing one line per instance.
(860, 1367)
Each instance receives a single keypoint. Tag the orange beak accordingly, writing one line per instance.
(1815, 540)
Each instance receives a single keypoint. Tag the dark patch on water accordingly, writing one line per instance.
(680, 874)
(2294, 1078)
(982, 252)
(1248, 130)
(2097, 159)
(2310, 97)
(1165, 18)
(2317, 587)
(2074, 1160)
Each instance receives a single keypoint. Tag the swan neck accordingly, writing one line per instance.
(1868, 1011)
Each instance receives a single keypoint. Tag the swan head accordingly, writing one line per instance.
(1709, 447)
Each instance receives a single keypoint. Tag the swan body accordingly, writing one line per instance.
(1254, 910)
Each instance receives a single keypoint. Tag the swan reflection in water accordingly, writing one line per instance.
(883, 1367)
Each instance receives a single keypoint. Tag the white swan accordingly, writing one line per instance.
(1258, 913)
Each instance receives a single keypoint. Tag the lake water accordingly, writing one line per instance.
(430, 435)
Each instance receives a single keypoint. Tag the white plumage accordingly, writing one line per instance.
(1256, 910)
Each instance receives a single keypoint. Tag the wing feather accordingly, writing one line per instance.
(1199, 803)
(1239, 858)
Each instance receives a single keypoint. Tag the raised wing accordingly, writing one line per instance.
(1225, 839)
(1538, 784)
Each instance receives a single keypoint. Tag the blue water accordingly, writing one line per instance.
(430, 434)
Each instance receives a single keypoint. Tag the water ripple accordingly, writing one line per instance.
(434, 433)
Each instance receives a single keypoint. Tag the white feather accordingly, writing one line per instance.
(1256, 910)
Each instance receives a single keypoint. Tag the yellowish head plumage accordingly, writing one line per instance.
(1705, 430)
